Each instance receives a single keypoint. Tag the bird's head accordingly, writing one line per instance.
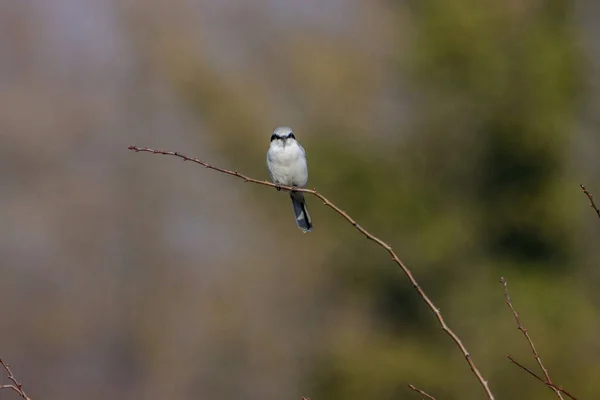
(283, 135)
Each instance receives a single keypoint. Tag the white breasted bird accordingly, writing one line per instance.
(286, 161)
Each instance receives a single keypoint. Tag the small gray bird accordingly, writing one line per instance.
(286, 161)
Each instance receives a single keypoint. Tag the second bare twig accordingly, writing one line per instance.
(422, 393)
(387, 247)
(526, 334)
(530, 372)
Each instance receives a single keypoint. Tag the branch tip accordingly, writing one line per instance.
(591, 198)
(422, 393)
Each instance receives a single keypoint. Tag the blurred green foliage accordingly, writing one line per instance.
(509, 71)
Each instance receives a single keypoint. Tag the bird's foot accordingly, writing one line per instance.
(278, 187)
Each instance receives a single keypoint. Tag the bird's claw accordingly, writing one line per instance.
(278, 187)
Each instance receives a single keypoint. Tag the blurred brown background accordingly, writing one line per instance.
(458, 130)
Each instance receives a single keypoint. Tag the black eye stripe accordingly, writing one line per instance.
(289, 136)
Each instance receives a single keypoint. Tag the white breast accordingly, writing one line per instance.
(287, 164)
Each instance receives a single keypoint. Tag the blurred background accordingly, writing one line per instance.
(457, 130)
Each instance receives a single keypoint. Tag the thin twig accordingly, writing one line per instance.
(526, 334)
(15, 385)
(551, 385)
(430, 397)
(370, 236)
(512, 360)
(591, 197)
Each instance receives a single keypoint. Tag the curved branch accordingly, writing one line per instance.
(362, 230)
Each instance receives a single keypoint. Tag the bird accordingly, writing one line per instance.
(286, 162)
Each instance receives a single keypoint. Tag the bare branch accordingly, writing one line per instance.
(362, 230)
(15, 384)
(551, 385)
(526, 334)
(430, 397)
(591, 197)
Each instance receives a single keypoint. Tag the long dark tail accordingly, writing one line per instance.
(300, 212)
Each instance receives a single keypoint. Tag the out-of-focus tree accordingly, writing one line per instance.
(499, 84)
